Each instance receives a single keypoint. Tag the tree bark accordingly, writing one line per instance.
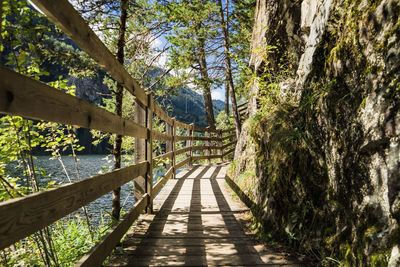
(228, 68)
(206, 85)
(117, 148)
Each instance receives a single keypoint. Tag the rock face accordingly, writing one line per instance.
(325, 128)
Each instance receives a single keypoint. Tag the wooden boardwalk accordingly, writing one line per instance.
(195, 223)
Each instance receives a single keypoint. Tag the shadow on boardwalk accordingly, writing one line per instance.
(196, 223)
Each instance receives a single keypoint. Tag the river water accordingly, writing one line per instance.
(88, 165)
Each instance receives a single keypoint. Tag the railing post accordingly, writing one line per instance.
(173, 128)
(208, 143)
(140, 152)
(189, 143)
(149, 150)
(220, 144)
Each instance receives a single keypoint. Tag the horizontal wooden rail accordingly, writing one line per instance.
(103, 248)
(160, 136)
(26, 215)
(29, 98)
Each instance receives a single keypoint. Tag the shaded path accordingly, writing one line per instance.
(196, 223)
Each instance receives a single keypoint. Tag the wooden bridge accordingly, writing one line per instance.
(194, 221)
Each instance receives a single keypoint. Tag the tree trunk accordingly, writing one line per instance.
(206, 86)
(226, 98)
(228, 68)
(116, 202)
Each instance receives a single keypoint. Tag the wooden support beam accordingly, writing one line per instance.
(140, 151)
(149, 151)
(208, 144)
(189, 143)
(220, 149)
(173, 148)
(26, 215)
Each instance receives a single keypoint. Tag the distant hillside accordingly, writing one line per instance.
(188, 107)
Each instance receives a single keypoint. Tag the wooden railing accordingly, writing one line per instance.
(29, 98)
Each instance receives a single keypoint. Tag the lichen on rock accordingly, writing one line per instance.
(324, 129)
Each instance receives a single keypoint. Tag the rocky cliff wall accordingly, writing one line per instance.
(324, 132)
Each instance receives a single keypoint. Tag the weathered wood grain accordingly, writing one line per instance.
(160, 136)
(63, 14)
(103, 248)
(26, 97)
(26, 215)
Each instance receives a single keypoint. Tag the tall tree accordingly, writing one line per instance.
(228, 69)
(192, 45)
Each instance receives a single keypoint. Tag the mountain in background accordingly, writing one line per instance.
(188, 106)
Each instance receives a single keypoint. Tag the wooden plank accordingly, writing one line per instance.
(103, 248)
(182, 125)
(63, 14)
(160, 136)
(29, 214)
(26, 97)
(162, 114)
(182, 163)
